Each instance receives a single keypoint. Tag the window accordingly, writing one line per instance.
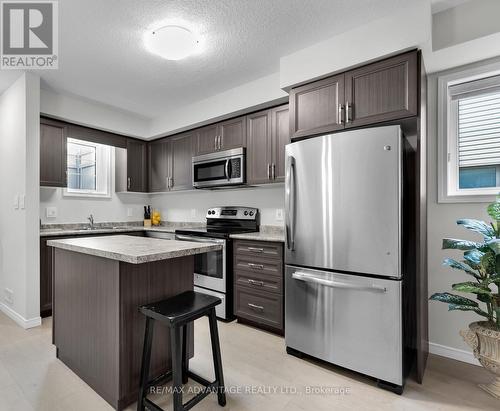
(88, 169)
(469, 117)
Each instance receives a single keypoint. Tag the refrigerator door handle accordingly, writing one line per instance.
(290, 203)
(308, 278)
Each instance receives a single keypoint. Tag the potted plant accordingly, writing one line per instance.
(481, 261)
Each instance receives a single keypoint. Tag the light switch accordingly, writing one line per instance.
(22, 201)
(16, 202)
(51, 212)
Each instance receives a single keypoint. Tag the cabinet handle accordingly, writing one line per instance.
(256, 307)
(215, 143)
(255, 249)
(220, 142)
(253, 282)
(273, 172)
(268, 171)
(256, 266)
(348, 112)
(128, 183)
(340, 119)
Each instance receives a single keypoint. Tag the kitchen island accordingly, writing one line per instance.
(99, 283)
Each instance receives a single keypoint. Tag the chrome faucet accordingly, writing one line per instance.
(91, 221)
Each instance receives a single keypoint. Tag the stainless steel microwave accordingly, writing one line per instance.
(222, 168)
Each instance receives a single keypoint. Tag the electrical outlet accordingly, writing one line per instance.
(279, 214)
(9, 296)
(51, 212)
(130, 212)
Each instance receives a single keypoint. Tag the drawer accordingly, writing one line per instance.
(256, 248)
(259, 306)
(265, 266)
(259, 281)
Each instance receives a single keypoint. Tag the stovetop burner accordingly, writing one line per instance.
(224, 221)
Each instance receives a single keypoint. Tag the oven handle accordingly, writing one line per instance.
(198, 239)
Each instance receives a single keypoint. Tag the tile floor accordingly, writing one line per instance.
(31, 378)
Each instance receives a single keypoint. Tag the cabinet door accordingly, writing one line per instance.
(259, 156)
(158, 166)
(233, 133)
(53, 160)
(316, 108)
(136, 166)
(382, 91)
(45, 278)
(280, 138)
(206, 139)
(181, 148)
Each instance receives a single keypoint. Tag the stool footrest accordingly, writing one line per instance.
(150, 405)
(200, 380)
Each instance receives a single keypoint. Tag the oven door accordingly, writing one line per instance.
(220, 171)
(209, 268)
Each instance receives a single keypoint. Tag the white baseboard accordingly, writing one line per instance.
(19, 319)
(453, 353)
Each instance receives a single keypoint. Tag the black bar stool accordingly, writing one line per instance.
(176, 313)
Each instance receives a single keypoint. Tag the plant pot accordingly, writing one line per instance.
(484, 340)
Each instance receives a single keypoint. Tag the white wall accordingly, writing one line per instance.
(77, 209)
(242, 99)
(193, 205)
(405, 29)
(19, 167)
(443, 325)
(93, 114)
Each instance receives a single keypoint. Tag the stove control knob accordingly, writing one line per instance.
(245, 213)
(251, 213)
(210, 212)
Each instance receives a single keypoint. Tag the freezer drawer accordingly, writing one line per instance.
(348, 320)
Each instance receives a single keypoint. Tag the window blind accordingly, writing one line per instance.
(479, 130)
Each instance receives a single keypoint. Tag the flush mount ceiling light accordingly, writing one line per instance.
(171, 42)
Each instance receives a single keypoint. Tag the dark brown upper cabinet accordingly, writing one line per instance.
(267, 135)
(316, 108)
(225, 135)
(170, 163)
(158, 157)
(382, 91)
(53, 159)
(137, 180)
(378, 92)
(182, 150)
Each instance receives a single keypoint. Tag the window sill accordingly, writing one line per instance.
(67, 193)
(467, 198)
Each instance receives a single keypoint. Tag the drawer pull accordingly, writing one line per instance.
(256, 307)
(256, 266)
(255, 249)
(253, 282)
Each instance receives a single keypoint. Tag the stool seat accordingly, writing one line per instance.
(180, 309)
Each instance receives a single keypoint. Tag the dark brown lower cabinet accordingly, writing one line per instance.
(258, 284)
(46, 267)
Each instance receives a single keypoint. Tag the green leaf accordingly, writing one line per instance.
(454, 307)
(451, 243)
(494, 245)
(473, 258)
(492, 279)
(494, 210)
(450, 262)
(453, 299)
(484, 298)
(488, 262)
(478, 226)
(470, 287)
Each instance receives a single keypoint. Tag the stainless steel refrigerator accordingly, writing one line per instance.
(343, 280)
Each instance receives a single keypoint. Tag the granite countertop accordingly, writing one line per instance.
(134, 250)
(266, 233)
(79, 229)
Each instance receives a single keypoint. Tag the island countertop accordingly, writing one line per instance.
(134, 250)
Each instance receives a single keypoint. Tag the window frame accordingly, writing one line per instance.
(448, 167)
(104, 157)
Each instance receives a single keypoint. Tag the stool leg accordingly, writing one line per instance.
(185, 359)
(214, 336)
(175, 342)
(146, 358)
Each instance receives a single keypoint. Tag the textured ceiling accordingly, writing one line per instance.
(102, 56)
